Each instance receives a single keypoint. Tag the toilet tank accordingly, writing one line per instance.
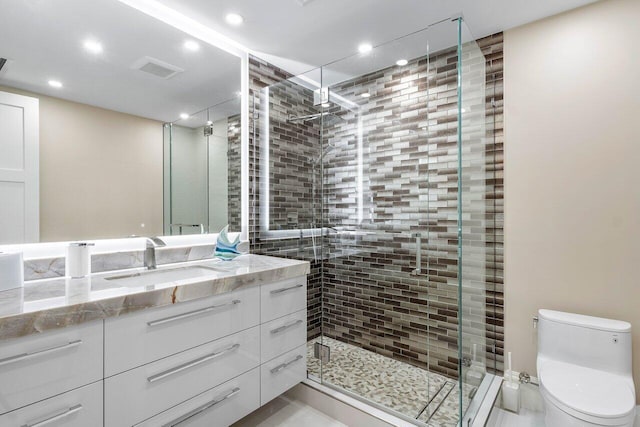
(593, 342)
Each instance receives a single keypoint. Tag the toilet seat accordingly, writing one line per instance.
(588, 394)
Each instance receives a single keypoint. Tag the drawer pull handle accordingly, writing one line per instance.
(25, 356)
(281, 366)
(191, 364)
(191, 313)
(202, 408)
(285, 327)
(55, 417)
(279, 291)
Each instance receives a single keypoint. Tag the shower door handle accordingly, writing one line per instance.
(418, 270)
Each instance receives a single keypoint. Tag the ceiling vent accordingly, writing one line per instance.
(156, 67)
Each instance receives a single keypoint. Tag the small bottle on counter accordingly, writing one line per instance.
(78, 263)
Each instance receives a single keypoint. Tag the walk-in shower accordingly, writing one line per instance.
(391, 188)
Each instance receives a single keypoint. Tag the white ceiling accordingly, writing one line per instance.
(303, 37)
(43, 40)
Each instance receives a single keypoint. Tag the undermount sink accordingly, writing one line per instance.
(155, 277)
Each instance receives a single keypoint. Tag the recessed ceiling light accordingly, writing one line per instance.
(402, 62)
(365, 48)
(209, 122)
(55, 83)
(191, 45)
(184, 116)
(234, 19)
(365, 95)
(326, 105)
(92, 46)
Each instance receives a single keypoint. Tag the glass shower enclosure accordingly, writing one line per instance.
(202, 171)
(375, 169)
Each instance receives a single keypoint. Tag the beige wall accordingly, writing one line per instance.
(100, 172)
(572, 171)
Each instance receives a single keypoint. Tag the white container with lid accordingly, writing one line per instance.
(78, 263)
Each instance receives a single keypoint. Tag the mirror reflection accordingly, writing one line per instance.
(100, 106)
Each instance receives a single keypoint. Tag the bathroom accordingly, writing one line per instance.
(268, 215)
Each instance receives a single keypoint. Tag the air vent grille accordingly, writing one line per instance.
(3, 62)
(156, 67)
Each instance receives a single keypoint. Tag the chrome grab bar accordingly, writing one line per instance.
(187, 365)
(191, 313)
(202, 408)
(285, 327)
(25, 356)
(72, 410)
(281, 366)
(279, 291)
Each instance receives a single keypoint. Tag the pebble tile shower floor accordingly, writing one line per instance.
(428, 397)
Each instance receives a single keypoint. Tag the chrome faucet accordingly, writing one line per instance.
(150, 252)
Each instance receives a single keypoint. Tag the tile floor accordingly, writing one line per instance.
(412, 391)
(526, 418)
(286, 412)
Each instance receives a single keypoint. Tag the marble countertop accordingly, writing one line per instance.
(44, 305)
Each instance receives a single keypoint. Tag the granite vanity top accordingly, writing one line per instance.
(44, 305)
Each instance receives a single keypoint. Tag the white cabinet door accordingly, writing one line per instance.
(81, 407)
(149, 335)
(218, 407)
(282, 373)
(283, 334)
(153, 388)
(39, 366)
(19, 165)
(281, 298)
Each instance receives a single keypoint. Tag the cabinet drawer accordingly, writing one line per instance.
(283, 334)
(282, 298)
(220, 406)
(151, 389)
(81, 407)
(282, 373)
(140, 338)
(38, 366)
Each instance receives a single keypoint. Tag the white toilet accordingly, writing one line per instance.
(584, 367)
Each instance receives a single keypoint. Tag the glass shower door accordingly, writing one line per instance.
(477, 216)
(388, 307)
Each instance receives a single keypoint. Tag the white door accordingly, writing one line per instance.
(19, 176)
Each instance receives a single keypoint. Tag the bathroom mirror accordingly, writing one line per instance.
(100, 106)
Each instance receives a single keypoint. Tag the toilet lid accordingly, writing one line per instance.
(588, 391)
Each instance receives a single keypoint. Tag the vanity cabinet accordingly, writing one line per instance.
(206, 362)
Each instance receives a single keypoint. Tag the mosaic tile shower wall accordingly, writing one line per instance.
(233, 179)
(370, 297)
(293, 201)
